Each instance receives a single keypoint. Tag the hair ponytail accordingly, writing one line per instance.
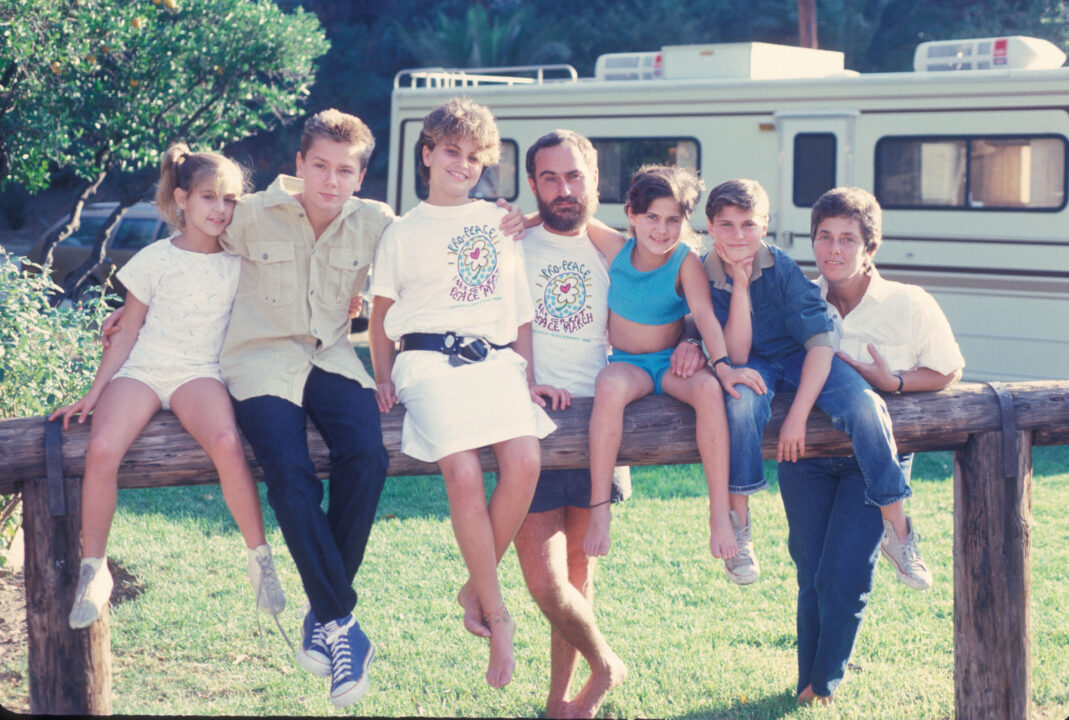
(170, 163)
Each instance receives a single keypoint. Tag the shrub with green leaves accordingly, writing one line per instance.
(48, 355)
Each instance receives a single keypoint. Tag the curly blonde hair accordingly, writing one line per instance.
(460, 118)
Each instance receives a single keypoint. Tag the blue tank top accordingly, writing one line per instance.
(646, 297)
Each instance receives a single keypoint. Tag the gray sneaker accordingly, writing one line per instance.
(906, 556)
(94, 590)
(264, 581)
(743, 568)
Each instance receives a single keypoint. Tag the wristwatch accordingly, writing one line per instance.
(725, 359)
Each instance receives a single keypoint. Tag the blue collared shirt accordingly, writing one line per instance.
(787, 312)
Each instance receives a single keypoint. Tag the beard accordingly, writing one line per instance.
(565, 215)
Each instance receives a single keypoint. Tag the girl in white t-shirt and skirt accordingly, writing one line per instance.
(451, 289)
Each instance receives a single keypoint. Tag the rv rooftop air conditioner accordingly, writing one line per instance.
(751, 60)
(1006, 53)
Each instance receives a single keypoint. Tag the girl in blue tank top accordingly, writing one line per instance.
(655, 280)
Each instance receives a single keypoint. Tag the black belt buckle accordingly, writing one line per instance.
(464, 351)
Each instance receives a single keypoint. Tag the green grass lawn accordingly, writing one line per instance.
(696, 645)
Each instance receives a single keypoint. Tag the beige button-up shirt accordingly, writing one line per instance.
(291, 312)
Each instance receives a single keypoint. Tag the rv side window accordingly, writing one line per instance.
(619, 158)
(814, 167)
(497, 181)
(981, 173)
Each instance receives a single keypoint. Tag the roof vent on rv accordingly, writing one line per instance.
(1006, 53)
(628, 66)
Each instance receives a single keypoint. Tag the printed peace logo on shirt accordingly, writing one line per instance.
(476, 260)
(565, 294)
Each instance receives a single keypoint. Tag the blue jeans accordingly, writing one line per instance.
(834, 540)
(853, 406)
(327, 548)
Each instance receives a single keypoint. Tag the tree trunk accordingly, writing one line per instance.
(140, 182)
(807, 23)
(75, 217)
(77, 277)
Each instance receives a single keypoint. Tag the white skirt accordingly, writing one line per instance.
(449, 409)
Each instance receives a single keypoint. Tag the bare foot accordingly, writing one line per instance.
(722, 543)
(807, 696)
(596, 540)
(598, 685)
(473, 611)
(558, 708)
(502, 660)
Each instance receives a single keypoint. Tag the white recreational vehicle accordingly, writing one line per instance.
(967, 155)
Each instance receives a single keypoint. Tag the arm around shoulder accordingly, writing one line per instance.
(605, 239)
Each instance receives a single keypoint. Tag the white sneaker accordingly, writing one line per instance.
(94, 589)
(743, 568)
(264, 581)
(906, 556)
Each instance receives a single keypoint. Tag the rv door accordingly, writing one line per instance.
(816, 153)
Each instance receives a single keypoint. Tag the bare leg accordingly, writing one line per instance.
(559, 575)
(607, 671)
(618, 385)
(484, 533)
(122, 412)
(702, 392)
(896, 514)
(204, 409)
(519, 460)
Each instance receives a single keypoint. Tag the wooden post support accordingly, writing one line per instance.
(992, 579)
(70, 670)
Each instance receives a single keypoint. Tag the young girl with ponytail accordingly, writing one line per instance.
(166, 355)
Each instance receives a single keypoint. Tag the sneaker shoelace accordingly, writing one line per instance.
(267, 570)
(267, 576)
(911, 555)
(319, 637)
(340, 659)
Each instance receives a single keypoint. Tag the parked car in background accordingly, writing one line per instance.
(140, 226)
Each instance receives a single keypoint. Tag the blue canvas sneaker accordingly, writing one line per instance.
(313, 655)
(350, 654)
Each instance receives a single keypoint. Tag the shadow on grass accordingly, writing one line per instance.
(768, 708)
(204, 506)
(425, 497)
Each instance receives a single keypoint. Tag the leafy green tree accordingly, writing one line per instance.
(31, 33)
(138, 76)
(479, 38)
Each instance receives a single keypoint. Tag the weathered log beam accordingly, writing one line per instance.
(657, 431)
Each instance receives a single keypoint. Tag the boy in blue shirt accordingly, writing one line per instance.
(776, 323)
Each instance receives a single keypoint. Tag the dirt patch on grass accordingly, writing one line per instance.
(14, 688)
(14, 641)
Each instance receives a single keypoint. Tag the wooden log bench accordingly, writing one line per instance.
(990, 427)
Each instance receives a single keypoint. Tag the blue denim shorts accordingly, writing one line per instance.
(655, 364)
(560, 488)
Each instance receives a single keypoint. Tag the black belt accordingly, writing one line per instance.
(460, 348)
